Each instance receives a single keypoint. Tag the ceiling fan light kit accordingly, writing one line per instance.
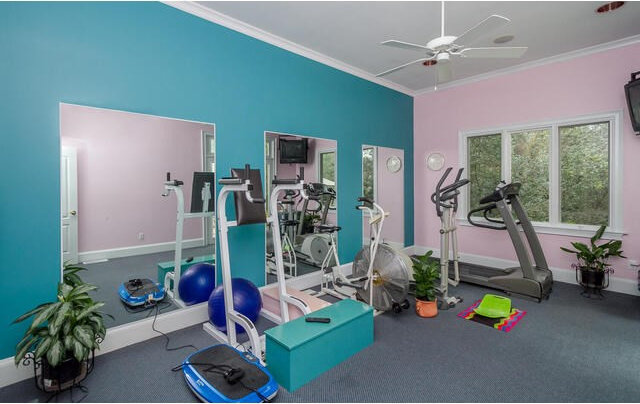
(439, 50)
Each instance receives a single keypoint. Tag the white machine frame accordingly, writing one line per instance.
(175, 186)
(341, 286)
(233, 317)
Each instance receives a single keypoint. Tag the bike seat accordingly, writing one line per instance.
(327, 228)
(289, 222)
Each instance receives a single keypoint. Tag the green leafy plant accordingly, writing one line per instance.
(596, 256)
(426, 272)
(68, 327)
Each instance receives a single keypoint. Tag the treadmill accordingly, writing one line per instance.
(532, 279)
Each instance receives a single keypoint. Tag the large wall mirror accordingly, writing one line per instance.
(304, 249)
(118, 220)
(383, 182)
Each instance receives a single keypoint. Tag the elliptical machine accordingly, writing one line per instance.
(446, 202)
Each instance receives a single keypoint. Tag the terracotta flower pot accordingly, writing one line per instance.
(426, 308)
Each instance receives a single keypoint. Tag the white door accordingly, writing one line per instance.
(69, 204)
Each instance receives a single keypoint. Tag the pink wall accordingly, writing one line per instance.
(390, 190)
(122, 162)
(586, 85)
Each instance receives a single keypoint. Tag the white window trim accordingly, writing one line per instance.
(375, 175)
(614, 230)
(319, 152)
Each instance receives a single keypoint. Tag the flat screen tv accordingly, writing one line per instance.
(293, 151)
(632, 91)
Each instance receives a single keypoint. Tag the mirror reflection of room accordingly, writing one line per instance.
(304, 247)
(138, 193)
(383, 182)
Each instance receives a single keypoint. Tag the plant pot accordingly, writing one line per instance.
(591, 278)
(426, 308)
(63, 376)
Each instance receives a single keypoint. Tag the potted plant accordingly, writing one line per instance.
(593, 261)
(426, 272)
(63, 334)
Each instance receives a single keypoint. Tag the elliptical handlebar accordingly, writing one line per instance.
(447, 197)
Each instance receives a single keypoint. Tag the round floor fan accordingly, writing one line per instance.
(439, 51)
(390, 280)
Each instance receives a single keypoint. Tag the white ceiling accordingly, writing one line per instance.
(352, 31)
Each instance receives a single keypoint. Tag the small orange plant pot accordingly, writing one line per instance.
(425, 308)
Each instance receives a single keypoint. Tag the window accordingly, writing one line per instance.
(369, 172)
(569, 171)
(327, 170)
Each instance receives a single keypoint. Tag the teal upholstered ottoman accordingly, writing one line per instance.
(297, 351)
(164, 267)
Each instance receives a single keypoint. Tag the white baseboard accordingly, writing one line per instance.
(136, 250)
(120, 337)
(621, 285)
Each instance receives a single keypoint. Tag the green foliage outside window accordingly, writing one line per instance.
(484, 154)
(367, 172)
(584, 173)
(530, 167)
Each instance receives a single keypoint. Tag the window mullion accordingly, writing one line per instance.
(506, 156)
(554, 176)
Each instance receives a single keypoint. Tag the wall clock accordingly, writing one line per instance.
(435, 161)
(394, 164)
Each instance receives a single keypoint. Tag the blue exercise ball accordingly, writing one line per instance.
(246, 300)
(196, 283)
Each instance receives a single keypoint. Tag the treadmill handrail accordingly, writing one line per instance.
(485, 209)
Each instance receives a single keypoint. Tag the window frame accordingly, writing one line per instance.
(554, 226)
(319, 154)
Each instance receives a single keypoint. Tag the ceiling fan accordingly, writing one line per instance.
(439, 51)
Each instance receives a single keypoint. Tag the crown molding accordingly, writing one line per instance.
(229, 22)
(247, 29)
(535, 63)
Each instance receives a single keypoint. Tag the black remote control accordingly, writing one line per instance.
(317, 319)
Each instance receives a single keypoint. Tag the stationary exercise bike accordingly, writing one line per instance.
(381, 281)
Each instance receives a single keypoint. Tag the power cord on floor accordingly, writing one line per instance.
(153, 327)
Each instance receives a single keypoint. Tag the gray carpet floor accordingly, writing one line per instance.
(566, 349)
(109, 275)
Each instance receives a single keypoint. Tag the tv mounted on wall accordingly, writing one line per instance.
(293, 151)
(632, 91)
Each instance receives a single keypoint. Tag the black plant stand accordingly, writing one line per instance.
(592, 282)
(58, 384)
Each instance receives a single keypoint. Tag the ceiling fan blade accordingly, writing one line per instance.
(506, 52)
(405, 45)
(401, 67)
(443, 72)
(483, 28)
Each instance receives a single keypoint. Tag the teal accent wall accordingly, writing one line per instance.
(151, 58)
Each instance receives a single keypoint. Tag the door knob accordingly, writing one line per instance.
(73, 213)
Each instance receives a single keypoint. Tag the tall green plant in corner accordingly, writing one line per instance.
(70, 327)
